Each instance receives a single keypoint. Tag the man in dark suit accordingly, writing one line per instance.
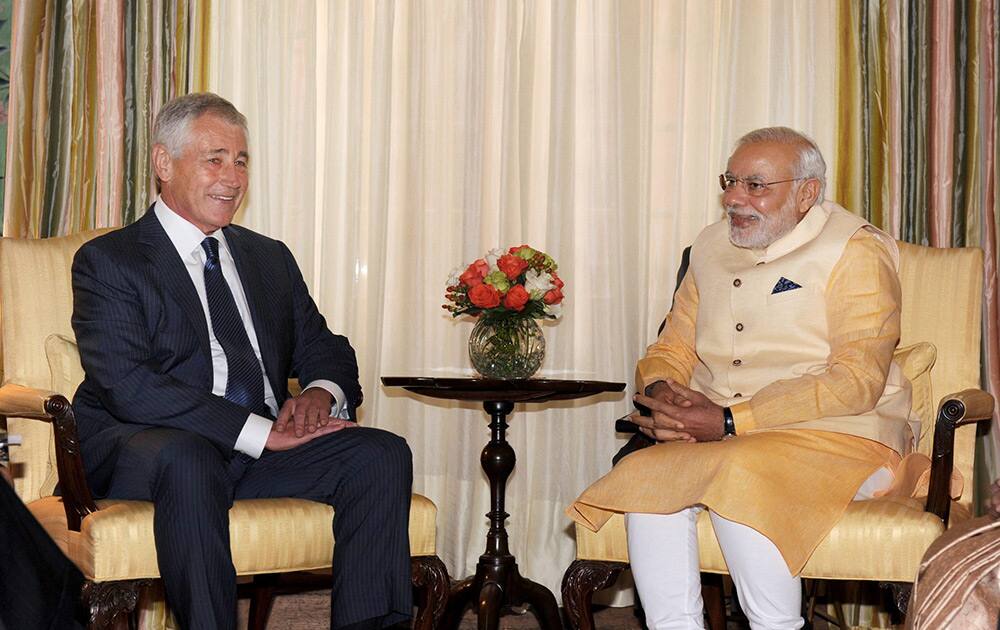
(189, 328)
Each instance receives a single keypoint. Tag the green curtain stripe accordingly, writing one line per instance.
(960, 164)
(875, 112)
(972, 178)
(913, 219)
(131, 122)
(56, 133)
(83, 196)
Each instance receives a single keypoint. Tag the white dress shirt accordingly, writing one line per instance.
(187, 239)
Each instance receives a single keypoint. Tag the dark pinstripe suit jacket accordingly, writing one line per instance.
(144, 343)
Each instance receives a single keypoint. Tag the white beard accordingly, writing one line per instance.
(765, 229)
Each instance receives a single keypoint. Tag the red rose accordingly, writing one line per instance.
(554, 296)
(516, 248)
(516, 298)
(511, 265)
(557, 281)
(484, 296)
(475, 273)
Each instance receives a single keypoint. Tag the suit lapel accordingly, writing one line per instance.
(175, 280)
(258, 299)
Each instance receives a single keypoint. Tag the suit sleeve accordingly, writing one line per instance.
(114, 329)
(318, 354)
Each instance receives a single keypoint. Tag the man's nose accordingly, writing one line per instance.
(231, 176)
(735, 195)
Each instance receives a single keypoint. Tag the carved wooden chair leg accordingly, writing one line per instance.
(715, 600)
(582, 579)
(261, 600)
(105, 601)
(430, 579)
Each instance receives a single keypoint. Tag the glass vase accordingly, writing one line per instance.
(506, 347)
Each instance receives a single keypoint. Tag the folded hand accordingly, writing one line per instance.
(680, 413)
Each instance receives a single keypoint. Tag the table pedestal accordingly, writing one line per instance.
(497, 582)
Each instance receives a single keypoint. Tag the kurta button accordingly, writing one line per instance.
(737, 282)
(739, 327)
(737, 395)
(737, 362)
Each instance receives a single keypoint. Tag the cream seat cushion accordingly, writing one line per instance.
(886, 535)
(889, 534)
(116, 543)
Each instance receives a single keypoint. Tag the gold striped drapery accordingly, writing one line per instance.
(917, 133)
(916, 149)
(87, 78)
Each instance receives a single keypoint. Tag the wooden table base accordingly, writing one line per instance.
(497, 582)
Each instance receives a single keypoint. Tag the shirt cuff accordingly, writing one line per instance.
(253, 436)
(339, 407)
(743, 417)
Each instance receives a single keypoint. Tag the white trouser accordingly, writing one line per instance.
(663, 552)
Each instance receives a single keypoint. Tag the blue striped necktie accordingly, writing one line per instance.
(245, 384)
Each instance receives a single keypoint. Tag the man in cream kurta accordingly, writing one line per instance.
(780, 338)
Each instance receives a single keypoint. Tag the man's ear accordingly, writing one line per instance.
(807, 195)
(163, 163)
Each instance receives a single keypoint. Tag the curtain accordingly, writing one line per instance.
(916, 149)
(393, 141)
(917, 143)
(87, 80)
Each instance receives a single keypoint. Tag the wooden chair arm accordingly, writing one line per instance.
(36, 404)
(24, 402)
(965, 407)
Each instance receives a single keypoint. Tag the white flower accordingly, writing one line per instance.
(538, 283)
(553, 310)
(454, 277)
(493, 256)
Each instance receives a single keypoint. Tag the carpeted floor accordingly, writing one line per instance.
(311, 611)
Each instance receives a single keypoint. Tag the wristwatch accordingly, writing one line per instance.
(728, 424)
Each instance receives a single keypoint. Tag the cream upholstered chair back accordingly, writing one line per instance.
(36, 301)
(942, 304)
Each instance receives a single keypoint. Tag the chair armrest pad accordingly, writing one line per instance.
(975, 406)
(24, 402)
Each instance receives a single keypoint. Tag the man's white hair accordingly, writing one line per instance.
(174, 119)
(811, 164)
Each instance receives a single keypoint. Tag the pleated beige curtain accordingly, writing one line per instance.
(87, 78)
(393, 141)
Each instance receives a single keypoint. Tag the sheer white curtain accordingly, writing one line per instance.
(393, 141)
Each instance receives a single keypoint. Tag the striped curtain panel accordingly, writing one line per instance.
(917, 137)
(916, 154)
(87, 78)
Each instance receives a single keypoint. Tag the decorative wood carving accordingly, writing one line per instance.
(107, 600)
(580, 582)
(77, 500)
(430, 577)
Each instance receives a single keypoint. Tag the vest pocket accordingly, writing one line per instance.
(790, 296)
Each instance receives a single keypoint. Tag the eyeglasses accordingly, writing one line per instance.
(752, 187)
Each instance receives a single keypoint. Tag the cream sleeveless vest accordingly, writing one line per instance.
(750, 333)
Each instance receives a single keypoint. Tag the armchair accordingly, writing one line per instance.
(112, 541)
(883, 539)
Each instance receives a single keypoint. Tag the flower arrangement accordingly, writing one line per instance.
(521, 283)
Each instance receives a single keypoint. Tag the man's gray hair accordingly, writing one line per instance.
(811, 164)
(174, 119)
